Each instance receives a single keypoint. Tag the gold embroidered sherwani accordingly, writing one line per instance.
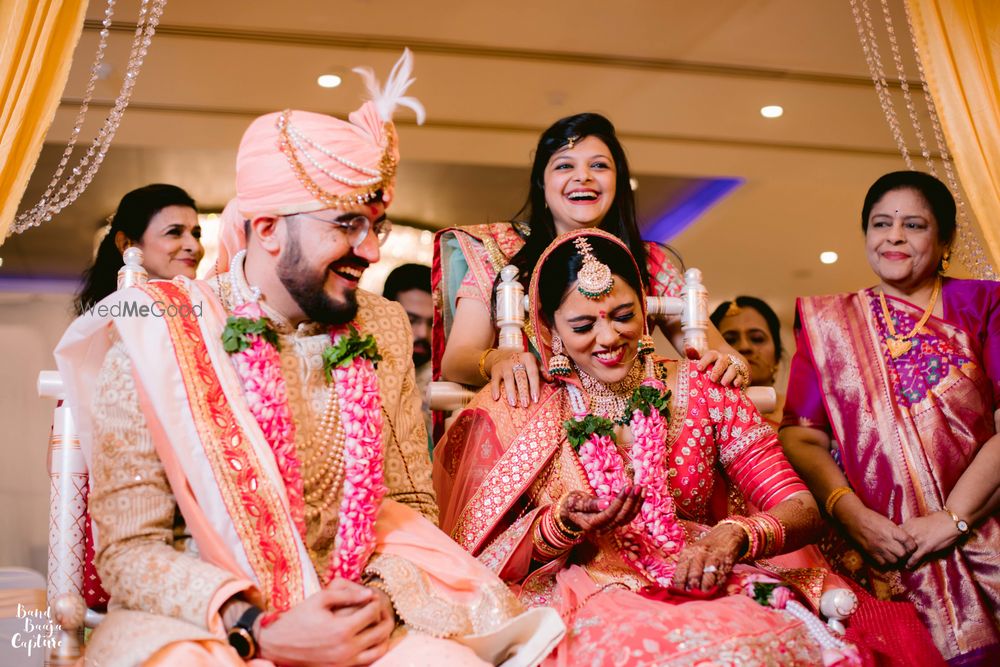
(145, 559)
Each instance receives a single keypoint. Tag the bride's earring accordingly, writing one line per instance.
(558, 362)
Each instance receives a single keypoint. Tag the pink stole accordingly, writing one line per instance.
(903, 461)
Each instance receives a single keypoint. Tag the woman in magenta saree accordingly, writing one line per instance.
(899, 387)
(595, 502)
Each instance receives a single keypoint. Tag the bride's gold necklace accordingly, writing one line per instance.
(611, 400)
(900, 344)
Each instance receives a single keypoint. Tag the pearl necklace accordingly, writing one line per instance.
(326, 448)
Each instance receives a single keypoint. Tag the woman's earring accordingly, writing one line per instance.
(945, 261)
(558, 362)
(645, 345)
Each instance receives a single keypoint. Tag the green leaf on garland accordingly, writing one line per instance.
(647, 398)
(762, 592)
(579, 432)
(347, 348)
(237, 332)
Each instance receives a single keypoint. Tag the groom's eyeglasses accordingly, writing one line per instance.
(356, 227)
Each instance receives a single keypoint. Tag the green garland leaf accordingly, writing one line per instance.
(647, 398)
(762, 592)
(237, 332)
(347, 349)
(579, 432)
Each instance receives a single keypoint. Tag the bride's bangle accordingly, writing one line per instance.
(568, 533)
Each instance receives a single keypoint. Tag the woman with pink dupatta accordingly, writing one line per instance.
(890, 420)
(604, 499)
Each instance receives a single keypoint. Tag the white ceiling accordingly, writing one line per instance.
(683, 81)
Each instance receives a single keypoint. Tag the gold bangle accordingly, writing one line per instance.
(746, 529)
(568, 533)
(834, 497)
(543, 548)
(482, 363)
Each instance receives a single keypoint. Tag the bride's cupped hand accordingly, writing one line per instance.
(590, 514)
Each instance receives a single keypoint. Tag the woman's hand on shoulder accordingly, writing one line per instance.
(515, 374)
(726, 369)
(590, 514)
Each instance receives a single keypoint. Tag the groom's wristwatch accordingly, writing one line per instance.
(960, 523)
(241, 635)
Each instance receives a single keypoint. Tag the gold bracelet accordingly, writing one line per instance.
(568, 533)
(482, 363)
(835, 496)
(746, 529)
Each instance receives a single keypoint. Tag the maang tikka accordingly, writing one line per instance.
(595, 279)
(558, 362)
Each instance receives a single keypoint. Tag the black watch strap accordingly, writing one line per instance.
(241, 635)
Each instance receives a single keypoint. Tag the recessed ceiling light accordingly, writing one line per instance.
(771, 111)
(828, 257)
(329, 80)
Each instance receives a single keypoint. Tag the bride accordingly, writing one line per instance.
(609, 498)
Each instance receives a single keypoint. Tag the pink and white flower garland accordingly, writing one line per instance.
(253, 348)
(364, 486)
(655, 537)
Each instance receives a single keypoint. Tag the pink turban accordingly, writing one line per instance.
(298, 161)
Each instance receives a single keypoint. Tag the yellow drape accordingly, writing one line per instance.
(959, 44)
(37, 38)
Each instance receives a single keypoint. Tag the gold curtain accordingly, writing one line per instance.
(37, 39)
(959, 45)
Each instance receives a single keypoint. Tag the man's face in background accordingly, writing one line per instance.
(419, 306)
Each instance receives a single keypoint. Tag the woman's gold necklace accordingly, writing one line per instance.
(610, 400)
(899, 345)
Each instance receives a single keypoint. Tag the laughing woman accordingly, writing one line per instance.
(579, 180)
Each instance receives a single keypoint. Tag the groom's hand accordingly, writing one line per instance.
(343, 624)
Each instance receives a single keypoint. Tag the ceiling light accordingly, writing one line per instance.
(329, 80)
(828, 257)
(771, 111)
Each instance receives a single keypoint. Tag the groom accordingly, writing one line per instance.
(239, 462)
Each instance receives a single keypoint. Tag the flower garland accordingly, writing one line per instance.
(253, 346)
(349, 362)
(653, 539)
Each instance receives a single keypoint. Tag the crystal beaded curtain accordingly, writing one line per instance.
(61, 192)
(967, 247)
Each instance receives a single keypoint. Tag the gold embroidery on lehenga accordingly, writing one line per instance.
(509, 477)
(423, 610)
